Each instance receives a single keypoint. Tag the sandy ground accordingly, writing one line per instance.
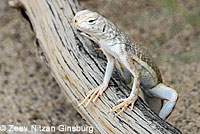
(30, 95)
(28, 92)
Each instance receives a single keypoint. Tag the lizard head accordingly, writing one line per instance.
(90, 23)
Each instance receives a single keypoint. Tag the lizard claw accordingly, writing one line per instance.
(92, 98)
(124, 104)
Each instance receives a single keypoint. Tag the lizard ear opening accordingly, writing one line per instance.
(104, 28)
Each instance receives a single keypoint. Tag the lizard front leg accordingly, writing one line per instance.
(134, 93)
(93, 96)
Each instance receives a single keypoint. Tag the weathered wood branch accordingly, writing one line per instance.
(78, 67)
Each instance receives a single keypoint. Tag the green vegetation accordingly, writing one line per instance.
(189, 16)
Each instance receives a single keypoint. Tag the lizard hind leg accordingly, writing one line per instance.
(154, 103)
(165, 93)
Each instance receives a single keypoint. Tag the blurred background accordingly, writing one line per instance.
(170, 29)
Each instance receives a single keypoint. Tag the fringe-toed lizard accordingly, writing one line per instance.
(136, 61)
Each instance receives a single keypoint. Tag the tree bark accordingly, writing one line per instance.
(79, 67)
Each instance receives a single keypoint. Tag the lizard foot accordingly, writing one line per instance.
(98, 92)
(124, 104)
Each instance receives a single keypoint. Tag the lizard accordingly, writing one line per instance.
(135, 60)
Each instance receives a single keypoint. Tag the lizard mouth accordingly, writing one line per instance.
(79, 31)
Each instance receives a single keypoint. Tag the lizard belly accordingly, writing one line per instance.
(117, 50)
(147, 79)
